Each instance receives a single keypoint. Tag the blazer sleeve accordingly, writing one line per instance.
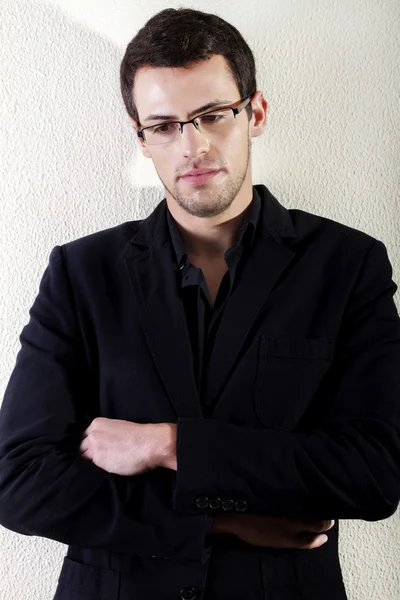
(46, 488)
(347, 464)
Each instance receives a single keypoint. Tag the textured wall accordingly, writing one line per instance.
(69, 166)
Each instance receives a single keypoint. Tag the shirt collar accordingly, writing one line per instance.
(245, 235)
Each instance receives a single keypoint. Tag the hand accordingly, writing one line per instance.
(128, 448)
(274, 532)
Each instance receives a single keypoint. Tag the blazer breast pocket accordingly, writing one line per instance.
(290, 370)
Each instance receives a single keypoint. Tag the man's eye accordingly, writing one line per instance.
(213, 117)
(165, 128)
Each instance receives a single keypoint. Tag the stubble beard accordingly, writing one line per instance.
(204, 202)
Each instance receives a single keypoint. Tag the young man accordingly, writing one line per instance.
(201, 394)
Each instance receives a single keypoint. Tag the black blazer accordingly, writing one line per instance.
(304, 381)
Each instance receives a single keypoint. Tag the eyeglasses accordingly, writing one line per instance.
(217, 121)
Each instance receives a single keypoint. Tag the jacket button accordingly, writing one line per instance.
(241, 505)
(215, 503)
(202, 502)
(188, 594)
(227, 504)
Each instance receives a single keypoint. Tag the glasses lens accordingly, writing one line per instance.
(219, 121)
(162, 134)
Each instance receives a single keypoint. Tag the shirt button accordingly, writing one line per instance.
(241, 505)
(188, 594)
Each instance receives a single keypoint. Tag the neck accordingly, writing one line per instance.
(209, 239)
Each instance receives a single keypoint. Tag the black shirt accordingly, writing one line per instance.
(201, 317)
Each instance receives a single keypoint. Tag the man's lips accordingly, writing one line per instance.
(196, 172)
(199, 176)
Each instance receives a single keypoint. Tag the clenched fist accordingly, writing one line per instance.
(128, 448)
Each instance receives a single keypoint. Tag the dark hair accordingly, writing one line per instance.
(178, 37)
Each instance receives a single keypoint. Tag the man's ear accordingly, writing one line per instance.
(141, 144)
(258, 120)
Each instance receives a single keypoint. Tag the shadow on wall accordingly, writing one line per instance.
(71, 147)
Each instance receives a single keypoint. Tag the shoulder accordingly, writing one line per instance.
(104, 245)
(307, 222)
(329, 234)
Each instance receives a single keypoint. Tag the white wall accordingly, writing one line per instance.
(330, 70)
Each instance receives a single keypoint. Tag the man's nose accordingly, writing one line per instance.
(193, 141)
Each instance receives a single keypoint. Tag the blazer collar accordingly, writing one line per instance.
(153, 231)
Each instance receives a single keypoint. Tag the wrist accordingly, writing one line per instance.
(166, 447)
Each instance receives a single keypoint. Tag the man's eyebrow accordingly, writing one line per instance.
(212, 104)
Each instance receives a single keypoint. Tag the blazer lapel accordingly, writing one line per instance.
(267, 260)
(153, 275)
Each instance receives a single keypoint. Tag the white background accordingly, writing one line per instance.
(69, 166)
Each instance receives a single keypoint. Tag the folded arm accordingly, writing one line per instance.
(46, 488)
(345, 463)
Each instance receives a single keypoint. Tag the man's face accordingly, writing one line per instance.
(178, 92)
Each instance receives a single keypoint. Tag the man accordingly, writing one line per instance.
(201, 394)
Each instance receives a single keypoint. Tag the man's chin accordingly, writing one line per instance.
(205, 210)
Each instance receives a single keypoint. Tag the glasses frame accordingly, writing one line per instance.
(236, 107)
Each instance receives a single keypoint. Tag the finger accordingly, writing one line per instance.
(317, 525)
(325, 525)
(87, 456)
(306, 542)
(90, 427)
